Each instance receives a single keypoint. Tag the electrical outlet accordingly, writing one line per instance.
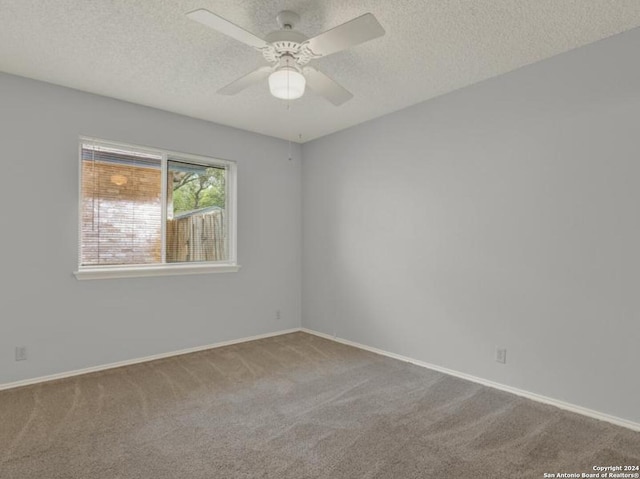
(501, 355)
(21, 353)
(278, 315)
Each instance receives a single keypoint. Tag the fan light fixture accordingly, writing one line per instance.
(287, 83)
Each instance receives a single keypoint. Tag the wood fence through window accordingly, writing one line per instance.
(199, 237)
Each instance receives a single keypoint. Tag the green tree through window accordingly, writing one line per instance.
(197, 188)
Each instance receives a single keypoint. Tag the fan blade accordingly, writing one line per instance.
(246, 81)
(324, 86)
(232, 30)
(352, 33)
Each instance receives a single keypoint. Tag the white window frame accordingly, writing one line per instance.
(164, 269)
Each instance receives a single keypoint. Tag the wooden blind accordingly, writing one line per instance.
(121, 206)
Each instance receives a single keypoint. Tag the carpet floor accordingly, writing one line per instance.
(293, 406)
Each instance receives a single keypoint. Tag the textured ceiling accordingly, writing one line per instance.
(148, 52)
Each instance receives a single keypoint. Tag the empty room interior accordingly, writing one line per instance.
(320, 239)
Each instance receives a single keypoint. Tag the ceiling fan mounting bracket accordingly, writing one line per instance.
(287, 19)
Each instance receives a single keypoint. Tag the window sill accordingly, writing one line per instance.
(113, 272)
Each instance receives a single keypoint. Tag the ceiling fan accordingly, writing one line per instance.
(289, 52)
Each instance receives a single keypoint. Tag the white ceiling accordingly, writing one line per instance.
(148, 52)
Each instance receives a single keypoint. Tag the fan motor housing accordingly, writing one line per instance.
(286, 36)
(286, 42)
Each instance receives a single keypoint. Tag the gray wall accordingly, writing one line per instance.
(68, 324)
(504, 214)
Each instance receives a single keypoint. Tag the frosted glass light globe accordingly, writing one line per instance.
(287, 83)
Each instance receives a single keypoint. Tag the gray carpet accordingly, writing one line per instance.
(293, 406)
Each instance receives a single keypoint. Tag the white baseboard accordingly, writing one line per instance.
(519, 392)
(119, 364)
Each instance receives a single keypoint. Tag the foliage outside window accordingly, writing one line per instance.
(145, 209)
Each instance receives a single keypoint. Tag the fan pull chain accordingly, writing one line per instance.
(289, 119)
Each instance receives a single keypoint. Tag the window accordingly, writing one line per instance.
(147, 212)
